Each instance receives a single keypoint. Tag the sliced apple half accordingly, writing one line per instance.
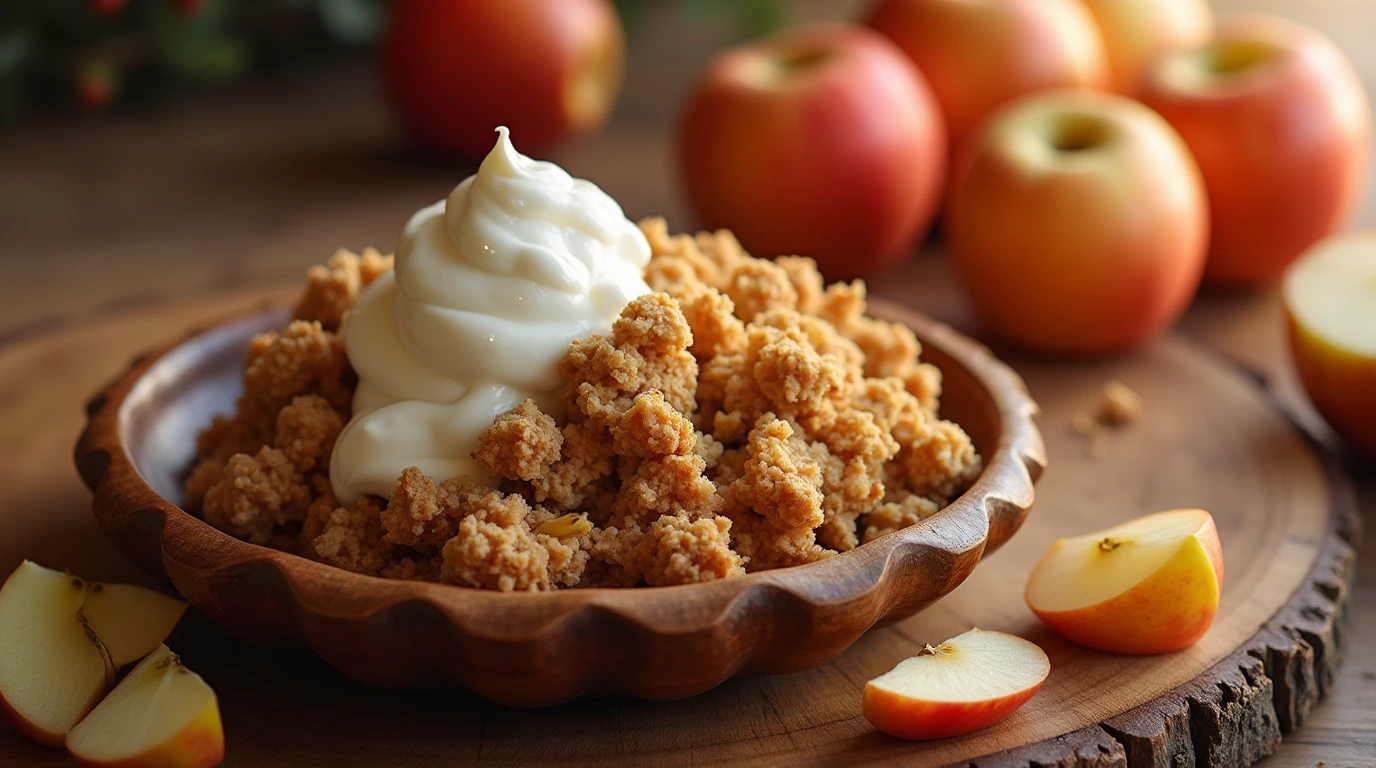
(63, 638)
(968, 682)
(1330, 303)
(161, 715)
(1147, 586)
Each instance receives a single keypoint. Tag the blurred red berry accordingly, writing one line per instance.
(108, 7)
(188, 7)
(95, 88)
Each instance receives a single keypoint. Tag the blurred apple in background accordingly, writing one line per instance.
(980, 54)
(544, 68)
(823, 141)
(1330, 307)
(1279, 124)
(1136, 32)
(1078, 223)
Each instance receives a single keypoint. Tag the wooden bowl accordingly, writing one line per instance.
(537, 649)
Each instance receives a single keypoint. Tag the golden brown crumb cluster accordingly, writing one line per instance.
(1119, 407)
(743, 417)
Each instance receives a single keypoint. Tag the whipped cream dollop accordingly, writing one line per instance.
(489, 288)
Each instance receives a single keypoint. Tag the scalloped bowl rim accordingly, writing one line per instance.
(1019, 450)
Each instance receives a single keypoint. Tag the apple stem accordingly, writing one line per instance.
(929, 650)
(1109, 544)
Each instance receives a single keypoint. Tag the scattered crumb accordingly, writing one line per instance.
(1119, 406)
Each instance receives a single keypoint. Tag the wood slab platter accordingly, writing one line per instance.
(1211, 438)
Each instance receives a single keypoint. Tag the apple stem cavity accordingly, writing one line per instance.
(1232, 57)
(1078, 133)
(802, 60)
(1109, 544)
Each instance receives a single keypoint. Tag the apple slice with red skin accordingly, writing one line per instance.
(162, 715)
(64, 638)
(968, 682)
(1330, 308)
(1150, 585)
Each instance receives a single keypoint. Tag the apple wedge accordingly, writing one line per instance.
(64, 638)
(968, 682)
(1330, 303)
(130, 620)
(161, 715)
(1147, 586)
(53, 668)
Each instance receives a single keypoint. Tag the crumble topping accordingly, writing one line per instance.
(744, 417)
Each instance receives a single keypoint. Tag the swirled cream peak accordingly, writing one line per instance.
(489, 288)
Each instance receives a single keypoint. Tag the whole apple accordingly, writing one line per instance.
(823, 141)
(1280, 126)
(1136, 32)
(544, 68)
(980, 54)
(1078, 223)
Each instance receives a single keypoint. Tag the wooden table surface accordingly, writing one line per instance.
(249, 186)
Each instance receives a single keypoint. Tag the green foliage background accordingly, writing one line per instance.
(55, 54)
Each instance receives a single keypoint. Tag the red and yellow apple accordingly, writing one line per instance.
(1330, 307)
(64, 638)
(546, 69)
(1147, 586)
(162, 714)
(981, 54)
(1280, 126)
(968, 682)
(1136, 32)
(823, 141)
(1077, 222)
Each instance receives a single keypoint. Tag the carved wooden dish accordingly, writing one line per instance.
(536, 649)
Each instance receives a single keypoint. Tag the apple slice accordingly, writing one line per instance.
(53, 668)
(1147, 586)
(63, 639)
(1330, 302)
(130, 620)
(162, 714)
(968, 682)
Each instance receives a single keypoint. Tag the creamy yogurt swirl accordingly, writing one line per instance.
(489, 288)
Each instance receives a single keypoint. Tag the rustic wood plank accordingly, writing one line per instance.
(811, 716)
(1091, 747)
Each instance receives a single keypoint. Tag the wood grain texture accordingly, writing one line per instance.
(1263, 481)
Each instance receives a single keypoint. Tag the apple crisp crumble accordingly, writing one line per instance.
(744, 417)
